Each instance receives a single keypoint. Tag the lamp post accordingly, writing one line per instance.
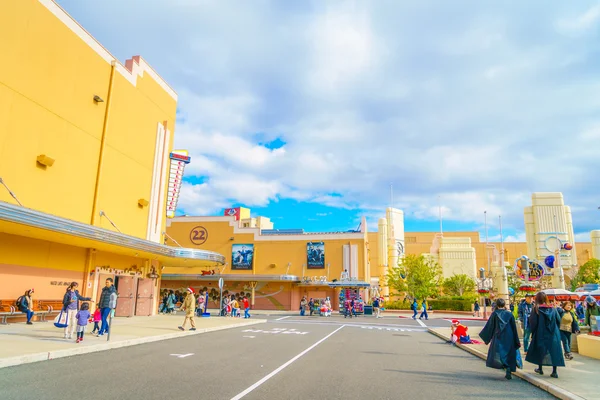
(482, 277)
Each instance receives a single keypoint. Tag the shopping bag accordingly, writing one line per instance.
(62, 319)
(519, 360)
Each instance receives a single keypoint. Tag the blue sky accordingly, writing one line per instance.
(307, 111)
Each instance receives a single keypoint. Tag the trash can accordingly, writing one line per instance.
(368, 310)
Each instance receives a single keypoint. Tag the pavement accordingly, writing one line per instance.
(286, 357)
(21, 343)
(576, 381)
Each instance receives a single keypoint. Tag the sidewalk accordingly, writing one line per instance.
(577, 381)
(22, 344)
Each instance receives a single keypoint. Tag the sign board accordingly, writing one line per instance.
(179, 159)
(220, 283)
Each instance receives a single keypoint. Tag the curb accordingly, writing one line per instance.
(51, 355)
(554, 390)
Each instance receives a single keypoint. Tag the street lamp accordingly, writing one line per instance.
(482, 287)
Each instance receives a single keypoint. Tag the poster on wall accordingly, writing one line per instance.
(242, 256)
(315, 254)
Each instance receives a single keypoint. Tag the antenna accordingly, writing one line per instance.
(440, 209)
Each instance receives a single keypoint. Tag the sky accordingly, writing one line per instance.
(307, 112)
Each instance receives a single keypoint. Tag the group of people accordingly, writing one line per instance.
(416, 308)
(232, 306)
(547, 333)
(321, 306)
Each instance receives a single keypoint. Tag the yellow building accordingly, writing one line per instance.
(85, 145)
(279, 266)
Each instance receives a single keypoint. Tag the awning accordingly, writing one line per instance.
(350, 284)
(230, 277)
(21, 221)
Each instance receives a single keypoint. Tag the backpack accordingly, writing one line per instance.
(19, 302)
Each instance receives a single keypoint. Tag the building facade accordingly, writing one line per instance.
(85, 144)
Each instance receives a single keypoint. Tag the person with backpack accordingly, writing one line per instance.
(70, 302)
(25, 305)
(415, 307)
(424, 310)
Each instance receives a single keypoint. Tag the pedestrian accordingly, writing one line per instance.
(70, 302)
(96, 319)
(108, 302)
(424, 310)
(415, 308)
(476, 309)
(200, 309)
(500, 332)
(545, 347)
(591, 310)
(234, 306)
(311, 306)
(328, 307)
(188, 305)
(246, 307)
(580, 310)
(524, 311)
(82, 317)
(303, 304)
(25, 305)
(568, 326)
(376, 307)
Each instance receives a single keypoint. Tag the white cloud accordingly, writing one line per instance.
(479, 103)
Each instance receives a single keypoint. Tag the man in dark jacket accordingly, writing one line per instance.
(108, 301)
(525, 308)
(500, 332)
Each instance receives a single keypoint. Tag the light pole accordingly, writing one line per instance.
(482, 277)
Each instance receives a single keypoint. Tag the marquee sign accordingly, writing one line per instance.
(179, 158)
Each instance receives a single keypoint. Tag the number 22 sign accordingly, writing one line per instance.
(198, 235)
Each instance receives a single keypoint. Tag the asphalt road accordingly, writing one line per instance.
(289, 358)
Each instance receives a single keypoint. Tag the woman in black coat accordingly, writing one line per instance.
(500, 332)
(545, 348)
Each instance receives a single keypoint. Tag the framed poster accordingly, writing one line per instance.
(242, 256)
(315, 255)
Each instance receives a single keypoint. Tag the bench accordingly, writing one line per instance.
(41, 308)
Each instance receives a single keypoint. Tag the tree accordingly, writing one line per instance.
(458, 285)
(588, 273)
(418, 276)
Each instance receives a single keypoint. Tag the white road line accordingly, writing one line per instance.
(300, 322)
(421, 323)
(281, 368)
(282, 318)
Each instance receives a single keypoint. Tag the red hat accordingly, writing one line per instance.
(190, 290)
(455, 322)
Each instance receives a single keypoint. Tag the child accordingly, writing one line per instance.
(96, 319)
(82, 317)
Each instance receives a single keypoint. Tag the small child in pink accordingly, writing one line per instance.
(96, 319)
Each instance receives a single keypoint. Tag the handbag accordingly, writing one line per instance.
(62, 319)
(519, 360)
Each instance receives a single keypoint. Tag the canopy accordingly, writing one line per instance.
(561, 294)
(350, 284)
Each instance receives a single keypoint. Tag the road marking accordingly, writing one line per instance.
(282, 318)
(183, 355)
(251, 337)
(421, 323)
(281, 368)
(392, 329)
(333, 323)
(275, 331)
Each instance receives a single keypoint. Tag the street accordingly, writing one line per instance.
(286, 358)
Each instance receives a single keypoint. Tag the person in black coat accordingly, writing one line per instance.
(500, 332)
(545, 348)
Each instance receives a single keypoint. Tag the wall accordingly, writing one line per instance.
(272, 253)
(50, 71)
(457, 257)
(45, 266)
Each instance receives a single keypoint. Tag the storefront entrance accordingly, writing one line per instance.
(127, 289)
(145, 297)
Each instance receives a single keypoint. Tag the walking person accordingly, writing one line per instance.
(107, 303)
(189, 305)
(246, 307)
(82, 317)
(311, 306)
(70, 302)
(25, 305)
(96, 318)
(303, 304)
(500, 332)
(568, 326)
(524, 311)
(234, 306)
(424, 310)
(476, 309)
(415, 307)
(545, 347)
(376, 307)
